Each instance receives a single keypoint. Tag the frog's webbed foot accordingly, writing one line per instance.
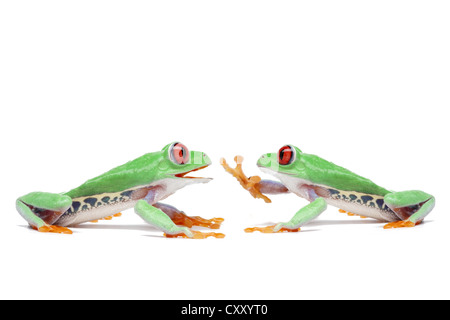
(350, 214)
(53, 229)
(250, 184)
(271, 229)
(196, 235)
(181, 219)
(400, 224)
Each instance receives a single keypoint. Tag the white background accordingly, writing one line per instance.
(88, 85)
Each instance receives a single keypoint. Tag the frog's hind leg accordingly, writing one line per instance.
(180, 218)
(411, 207)
(42, 209)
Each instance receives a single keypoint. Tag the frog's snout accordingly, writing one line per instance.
(268, 160)
(264, 160)
(261, 160)
(206, 159)
(200, 158)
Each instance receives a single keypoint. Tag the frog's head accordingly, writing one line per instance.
(286, 163)
(177, 161)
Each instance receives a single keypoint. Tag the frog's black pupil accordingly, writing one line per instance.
(285, 155)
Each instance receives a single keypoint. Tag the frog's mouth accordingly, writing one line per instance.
(274, 172)
(184, 174)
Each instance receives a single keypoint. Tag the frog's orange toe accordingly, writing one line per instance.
(269, 229)
(108, 217)
(250, 184)
(399, 224)
(181, 219)
(55, 229)
(197, 235)
(204, 235)
(350, 214)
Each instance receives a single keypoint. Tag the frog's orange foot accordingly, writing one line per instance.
(197, 235)
(180, 219)
(108, 217)
(400, 224)
(350, 214)
(249, 184)
(213, 223)
(54, 229)
(269, 229)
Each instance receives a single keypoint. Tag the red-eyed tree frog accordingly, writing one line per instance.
(140, 184)
(322, 182)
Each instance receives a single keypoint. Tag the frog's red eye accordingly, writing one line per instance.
(286, 155)
(179, 153)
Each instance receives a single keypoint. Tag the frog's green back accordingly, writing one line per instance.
(321, 171)
(140, 171)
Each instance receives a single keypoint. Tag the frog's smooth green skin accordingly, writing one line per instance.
(322, 182)
(140, 183)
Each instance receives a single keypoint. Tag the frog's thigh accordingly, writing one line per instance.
(413, 205)
(48, 207)
(159, 219)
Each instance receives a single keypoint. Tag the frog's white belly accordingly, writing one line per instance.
(363, 210)
(95, 213)
(94, 207)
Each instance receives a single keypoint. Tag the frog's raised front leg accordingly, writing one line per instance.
(180, 218)
(254, 184)
(303, 216)
(411, 207)
(42, 209)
